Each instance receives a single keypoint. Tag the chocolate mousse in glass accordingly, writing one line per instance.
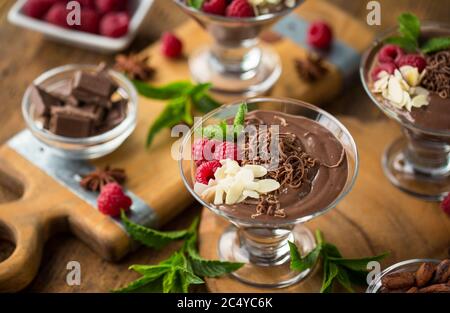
(289, 163)
(235, 62)
(418, 162)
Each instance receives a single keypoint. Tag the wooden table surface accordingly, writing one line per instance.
(25, 54)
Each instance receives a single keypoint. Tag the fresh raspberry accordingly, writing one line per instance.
(112, 199)
(390, 53)
(445, 204)
(206, 171)
(226, 150)
(203, 150)
(90, 4)
(217, 7)
(414, 60)
(387, 66)
(240, 8)
(114, 24)
(171, 47)
(89, 21)
(320, 35)
(106, 6)
(38, 8)
(57, 15)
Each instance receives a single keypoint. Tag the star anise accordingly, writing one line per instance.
(135, 66)
(97, 179)
(311, 68)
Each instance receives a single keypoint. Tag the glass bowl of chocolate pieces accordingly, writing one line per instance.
(80, 111)
(413, 276)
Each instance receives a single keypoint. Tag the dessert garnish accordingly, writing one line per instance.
(320, 35)
(429, 278)
(445, 205)
(311, 68)
(134, 66)
(171, 46)
(183, 97)
(86, 105)
(96, 180)
(112, 200)
(185, 267)
(437, 76)
(336, 268)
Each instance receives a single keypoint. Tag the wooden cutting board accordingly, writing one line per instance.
(375, 217)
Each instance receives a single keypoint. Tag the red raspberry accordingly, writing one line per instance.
(114, 24)
(320, 35)
(226, 150)
(57, 15)
(217, 7)
(390, 53)
(171, 47)
(106, 6)
(203, 150)
(90, 4)
(240, 8)
(206, 171)
(413, 60)
(89, 21)
(387, 66)
(112, 199)
(38, 8)
(445, 204)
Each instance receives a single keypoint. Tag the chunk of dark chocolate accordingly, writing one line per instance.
(42, 101)
(116, 114)
(70, 122)
(95, 84)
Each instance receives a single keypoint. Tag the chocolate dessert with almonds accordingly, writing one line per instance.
(84, 106)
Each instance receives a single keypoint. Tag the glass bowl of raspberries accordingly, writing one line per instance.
(100, 25)
(236, 63)
(267, 166)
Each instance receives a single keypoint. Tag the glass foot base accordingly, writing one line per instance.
(247, 84)
(279, 274)
(432, 186)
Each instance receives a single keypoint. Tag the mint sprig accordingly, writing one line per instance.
(197, 4)
(182, 269)
(183, 96)
(436, 44)
(336, 268)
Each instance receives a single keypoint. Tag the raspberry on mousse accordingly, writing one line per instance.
(217, 7)
(240, 8)
(206, 171)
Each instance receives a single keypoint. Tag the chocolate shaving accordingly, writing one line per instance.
(96, 180)
(311, 68)
(136, 67)
(437, 75)
(296, 168)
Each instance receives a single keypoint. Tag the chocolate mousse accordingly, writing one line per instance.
(312, 167)
(435, 115)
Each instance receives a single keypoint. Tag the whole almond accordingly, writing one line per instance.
(442, 273)
(436, 288)
(424, 274)
(398, 280)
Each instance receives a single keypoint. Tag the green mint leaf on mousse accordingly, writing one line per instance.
(223, 131)
(335, 268)
(403, 42)
(436, 44)
(409, 26)
(195, 3)
(181, 270)
(150, 237)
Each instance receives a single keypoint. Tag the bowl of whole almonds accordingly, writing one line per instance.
(414, 276)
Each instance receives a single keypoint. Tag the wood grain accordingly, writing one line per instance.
(25, 54)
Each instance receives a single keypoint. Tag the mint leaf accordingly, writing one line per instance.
(142, 284)
(204, 103)
(409, 26)
(150, 270)
(357, 264)
(214, 132)
(343, 279)
(174, 113)
(436, 44)
(197, 4)
(300, 264)
(239, 119)
(149, 237)
(169, 91)
(207, 268)
(330, 272)
(403, 42)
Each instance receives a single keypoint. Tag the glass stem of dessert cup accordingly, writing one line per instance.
(419, 164)
(265, 252)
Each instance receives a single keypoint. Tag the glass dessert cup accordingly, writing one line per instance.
(263, 245)
(418, 163)
(404, 266)
(81, 148)
(235, 63)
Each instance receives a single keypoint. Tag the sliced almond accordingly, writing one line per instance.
(234, 193)
(199, 188)
(267, 185)
(250, 194)
(218, 198)
(395, 91)
(245, 175)
(419, 100)
(258, 170)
